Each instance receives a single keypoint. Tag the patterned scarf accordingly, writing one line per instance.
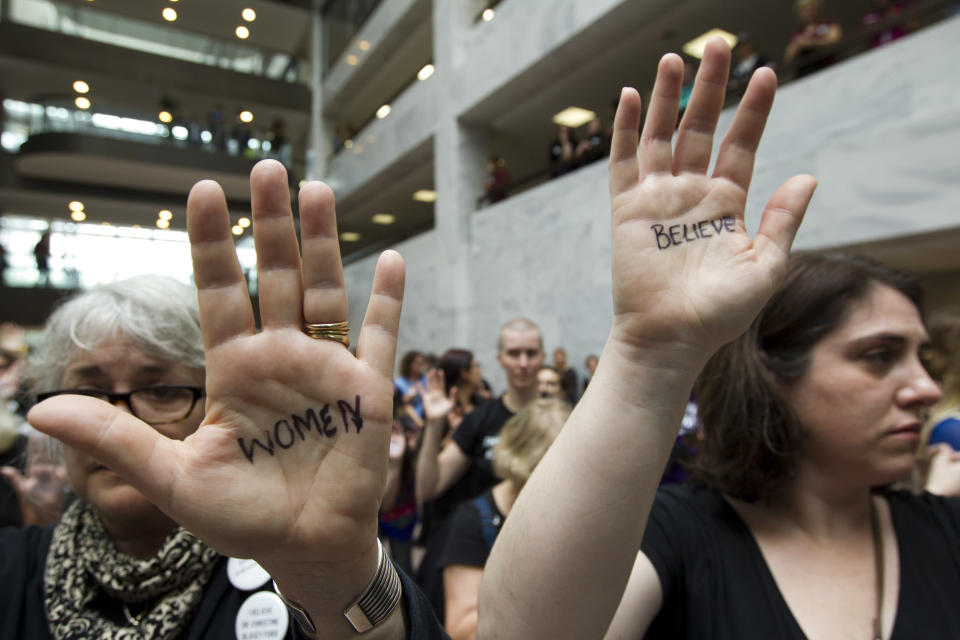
(83, 561)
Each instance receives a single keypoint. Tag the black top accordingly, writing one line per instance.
(716, 583)
(473, 528)
(476, 436)
(23, 554)
(15, 456)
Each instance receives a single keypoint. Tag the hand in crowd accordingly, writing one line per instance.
(41, 491)
(437, 404)
(685, 272)
(289, 464)
(943, 475)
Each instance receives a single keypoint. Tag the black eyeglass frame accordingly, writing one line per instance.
(114, 398)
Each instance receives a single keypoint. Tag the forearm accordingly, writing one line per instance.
(428, 465)
(463, 629)
(606, 463)
(392, 490)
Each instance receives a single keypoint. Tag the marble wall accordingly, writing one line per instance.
(879, 131)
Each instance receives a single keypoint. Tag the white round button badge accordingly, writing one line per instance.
(246, 575)
(262, 616)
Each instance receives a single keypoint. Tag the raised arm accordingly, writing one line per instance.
(289, 464)
(437, 469)
(686, 279)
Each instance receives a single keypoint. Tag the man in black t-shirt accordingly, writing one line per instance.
(462, 469)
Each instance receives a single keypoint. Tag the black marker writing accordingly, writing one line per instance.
(677, 234)
(285, 433)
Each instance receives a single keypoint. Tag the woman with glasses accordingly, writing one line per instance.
(216, 466)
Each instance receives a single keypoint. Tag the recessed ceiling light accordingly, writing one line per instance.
(573, 117)
(695, 47)
(76, 205)
(425, 195)
(248, 14)
(349, 236)
(425, 72)
(105, 224)
(246, 116)
(242, 32)
(363, 45)
(163, 224)
(383, 111)
(487, 15)
(165, 116)
(81, 102)
(169, 14)
(237, 230)
(383, 218)
(243, 222)
(78, 216)
(165, 214)
(348, 143)
(80, 86)
(352, 60)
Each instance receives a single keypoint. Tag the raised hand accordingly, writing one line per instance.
(289, 464)
(685, 272)
(41, 491)
(436, 403)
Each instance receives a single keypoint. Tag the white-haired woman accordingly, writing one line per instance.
(191, 436)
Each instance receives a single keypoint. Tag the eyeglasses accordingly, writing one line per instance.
(160, 404)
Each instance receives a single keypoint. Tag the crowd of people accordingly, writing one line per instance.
(229, 480)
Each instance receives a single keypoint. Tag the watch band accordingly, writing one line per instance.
(374, 604)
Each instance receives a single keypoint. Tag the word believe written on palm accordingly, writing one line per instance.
(677, 234)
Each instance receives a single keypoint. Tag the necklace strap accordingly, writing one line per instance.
(878, 568)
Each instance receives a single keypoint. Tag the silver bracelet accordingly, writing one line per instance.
(374, 604)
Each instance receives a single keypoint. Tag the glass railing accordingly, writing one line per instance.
(83, 255)
(85, 21)
(23, 119)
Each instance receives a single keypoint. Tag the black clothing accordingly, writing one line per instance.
(15, 456)
(716, 584)
(475, 436)
(473, 528)
(568, 383)
(23, 555)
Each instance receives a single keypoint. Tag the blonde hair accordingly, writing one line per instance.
(526, 437)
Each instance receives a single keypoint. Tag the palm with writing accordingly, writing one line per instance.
(698, 285)
(304, 503)
(437, 404)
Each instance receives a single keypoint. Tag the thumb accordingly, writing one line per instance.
(782, 217)
(128, 446)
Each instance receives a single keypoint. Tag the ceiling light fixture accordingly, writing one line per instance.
(352, 60)
(363, 45)
(695, 47)
(80, 86)
(573, 117)
(163, 224)
(165, 214)
(165, 116)
(246, 116)
(349, 236)
(78, 216)
(425, 72)
(487, 15)
(348, 143)
(237, 230)
(76, 205)
(383, 218)
(383, 111)
(248, 14)
(242, 32)
(169, 14)
(425, 195)
(243, 222)
(81, 102)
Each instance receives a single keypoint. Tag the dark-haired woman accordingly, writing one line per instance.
(811, 409)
